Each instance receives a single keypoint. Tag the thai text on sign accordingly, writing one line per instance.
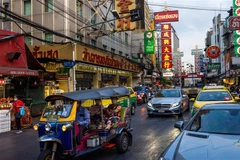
(166, 16)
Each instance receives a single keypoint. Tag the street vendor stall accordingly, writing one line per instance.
(5, 120)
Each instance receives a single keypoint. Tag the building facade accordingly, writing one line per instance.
(103, 56)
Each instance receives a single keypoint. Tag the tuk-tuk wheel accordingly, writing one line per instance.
(122, 142)
(47, 155)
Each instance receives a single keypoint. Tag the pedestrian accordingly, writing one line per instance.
(82, 120)
(17, 104)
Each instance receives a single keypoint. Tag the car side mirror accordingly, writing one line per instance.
(192, 99)
(179, 125)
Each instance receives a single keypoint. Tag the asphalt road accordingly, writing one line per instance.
(150, 137)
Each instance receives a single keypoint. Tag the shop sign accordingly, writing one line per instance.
(123, 7)
(213, 52)
(62, 73)
(166, 49)
(196, 51)
(56, 51)
(93, 56)
(167, 65)
(166, 16)
(85, 68)
(166, 27)
(234, 23)
(178, 54)
(214, 66)
(166, 57)
(168, 74)
(52, 67)
(166, 34)
(149, 42)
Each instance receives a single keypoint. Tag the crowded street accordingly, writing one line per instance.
(151, 135)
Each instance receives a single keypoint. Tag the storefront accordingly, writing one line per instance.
(105, 68)
(56, 77)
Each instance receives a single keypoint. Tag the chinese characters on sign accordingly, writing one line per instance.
(123, 7)
(166, 46)
(236, 12)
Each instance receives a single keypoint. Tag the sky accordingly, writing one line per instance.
(193, 24)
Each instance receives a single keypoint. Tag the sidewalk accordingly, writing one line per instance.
(20, 146)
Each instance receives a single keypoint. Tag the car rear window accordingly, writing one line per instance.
(214, 96)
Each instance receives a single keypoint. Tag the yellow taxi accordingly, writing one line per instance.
(211, 94)
(106, 102)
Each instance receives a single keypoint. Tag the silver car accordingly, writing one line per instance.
(212, 134)
(168, 101)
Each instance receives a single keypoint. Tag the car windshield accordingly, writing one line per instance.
(138, 88)
(224, 121)
(168, 93)
(58, 108)
(214, 96)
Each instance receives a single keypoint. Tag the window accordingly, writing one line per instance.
(104, 27)
(27, 7)
(28, 40)
(112, 50)
(93, 42)
(79, 8)
(119, 34)
(49, 37)
(120, 53)
(6, 6)
(48, 5)
(126, 38)
(93, 20)
(104, 47)
(214, 96)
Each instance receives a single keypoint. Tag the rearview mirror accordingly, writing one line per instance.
(179, 125)
(192, 99)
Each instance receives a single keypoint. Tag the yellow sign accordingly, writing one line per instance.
(89, 55)
(123, 7)
(56, 51)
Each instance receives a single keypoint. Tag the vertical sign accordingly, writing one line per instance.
(236, 12)
(166, 45)
(123, 7)
(149, 42)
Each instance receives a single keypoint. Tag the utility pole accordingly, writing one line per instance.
(142, 62)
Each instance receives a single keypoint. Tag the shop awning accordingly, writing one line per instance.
(18, 71)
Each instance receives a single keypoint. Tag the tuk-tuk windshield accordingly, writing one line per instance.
(58, 108)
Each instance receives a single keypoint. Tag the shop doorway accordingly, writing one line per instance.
(107, 80)
(123, 80)
(84, 80)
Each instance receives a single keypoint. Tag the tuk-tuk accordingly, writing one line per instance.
(58, 131)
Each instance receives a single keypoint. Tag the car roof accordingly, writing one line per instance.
(214, 90)
(229, 105)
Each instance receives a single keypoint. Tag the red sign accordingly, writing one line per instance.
(213, 52)
(2, 81)
(166, 42)
(166, 49)
(166, 27)
(234, 23)
(166, 34)
(18, 71)
(166, 16)
(166, 57)
(166, 65)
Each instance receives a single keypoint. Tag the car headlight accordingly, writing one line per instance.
(48, 127)
(149, 104)
(175, 104)
(66, 127)
(35, 127)
(161, 158)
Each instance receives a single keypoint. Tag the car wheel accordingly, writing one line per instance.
(133, 109)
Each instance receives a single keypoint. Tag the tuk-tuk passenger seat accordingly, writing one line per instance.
(123, 114)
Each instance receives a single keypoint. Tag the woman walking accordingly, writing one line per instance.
(17, 104)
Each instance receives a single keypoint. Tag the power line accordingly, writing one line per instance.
(190, 7)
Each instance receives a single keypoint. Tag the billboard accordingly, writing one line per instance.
(166, 16)
(149, 42)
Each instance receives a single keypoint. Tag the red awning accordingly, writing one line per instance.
(18, 71)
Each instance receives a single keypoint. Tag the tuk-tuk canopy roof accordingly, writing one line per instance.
(99, 93)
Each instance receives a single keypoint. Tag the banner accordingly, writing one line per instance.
(149, 42)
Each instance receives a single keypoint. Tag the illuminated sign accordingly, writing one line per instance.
(166, 16)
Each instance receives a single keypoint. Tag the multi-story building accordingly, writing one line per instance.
(102, 55)
(214, 37)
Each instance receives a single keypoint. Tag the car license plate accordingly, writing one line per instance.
(161, 111)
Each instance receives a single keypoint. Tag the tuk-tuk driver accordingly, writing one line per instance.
(82, 119)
